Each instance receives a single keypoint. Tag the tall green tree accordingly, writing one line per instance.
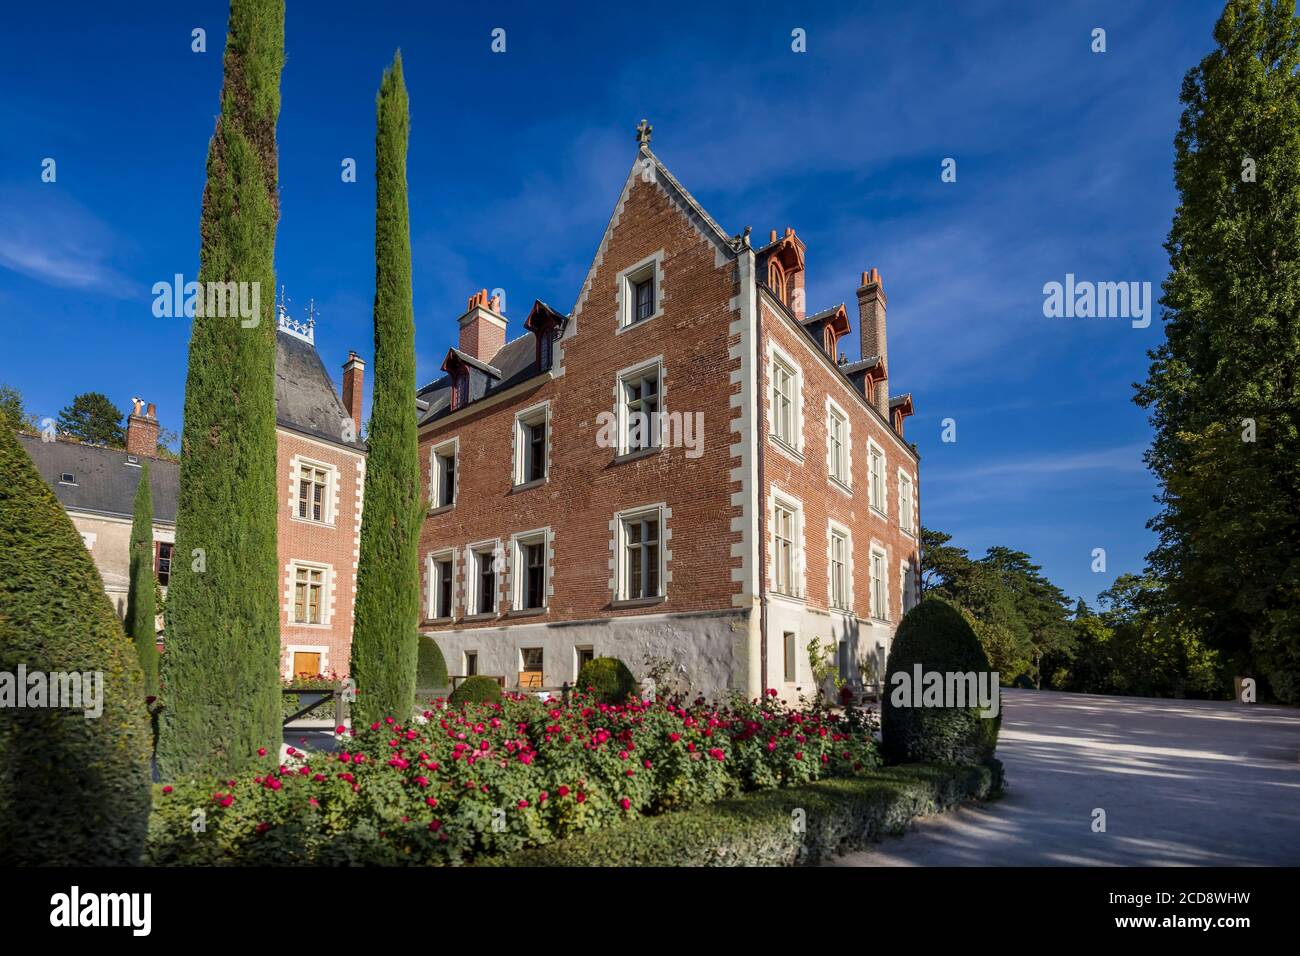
(384, 637)
(1222, 390)
(74, 780)
(141, 607)
(220, 673)
(91, 417)
(13, 413)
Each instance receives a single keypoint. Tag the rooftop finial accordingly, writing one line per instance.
(643, 131)
(302, 330)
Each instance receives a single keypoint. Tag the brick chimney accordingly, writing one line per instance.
(354, 377)
(871, 328)
(482, 327)
(142, 430)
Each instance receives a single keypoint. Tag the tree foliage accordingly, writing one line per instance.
(384, 639)
(91, 417)
(220, 672)
(1222, 389)
(142, 588)
(13, 413)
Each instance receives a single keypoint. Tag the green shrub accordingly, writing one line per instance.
(935, 635)
(478, 689)
(607, 679)
(839, 815)
(431, 670)
(73, 791)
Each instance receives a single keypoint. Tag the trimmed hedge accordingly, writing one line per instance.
(73, 791)
(608, 679)
(478, 689)
(935, 635)
(758, 829)
(431, 668)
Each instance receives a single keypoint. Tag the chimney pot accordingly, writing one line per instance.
(482, 327)
(142, 430)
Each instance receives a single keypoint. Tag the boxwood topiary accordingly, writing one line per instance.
(73, 791)
(478, 689)
(608, 679)
(431, 669)
(935, 635)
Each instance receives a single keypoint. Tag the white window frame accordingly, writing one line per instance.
(640, 372)
(906, 503)
(879, 582)
(539, 414)
(661, 514)
(877, 485)
(844, 478)
(907, 588)
(327, 496)
(793, 443)
(796, 587)
(431, 602)
(519, 568)
(474, 553)
(834, 532)
(651, 267)
(436, 454)
(326, 592)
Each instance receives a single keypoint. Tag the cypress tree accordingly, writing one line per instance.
(1222, 389)
(141, 609)
(220, 671)
(74, 789)
(384, 638)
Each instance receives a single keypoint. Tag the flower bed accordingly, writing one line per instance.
(459, 783)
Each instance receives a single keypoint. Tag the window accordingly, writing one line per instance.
(879, 586)
(785, 527)
(583, 656)
(839, 570)
(783, 399)
(529, 578)
(485, 582)
(545, 349)
(163, 561)
(67, 478)
(308, 591)
(644, 298)
(460, 396)
(471, 663)
(909, 586)
(306, 663)
(776, 279)
(640, 407)
(313, 487)
(440, 582)
(791, 656)
(531, 671)
(837, 430)
(443, 483)
(530, 445)
(642, 575)
(904, 502)
(828, 341)
(640, 288)
(877, 477)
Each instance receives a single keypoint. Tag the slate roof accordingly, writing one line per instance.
(306, 400)
(514, 362)
(105, 482)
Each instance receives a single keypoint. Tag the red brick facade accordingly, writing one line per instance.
(673, 299)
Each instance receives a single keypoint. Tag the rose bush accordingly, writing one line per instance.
(458, 782)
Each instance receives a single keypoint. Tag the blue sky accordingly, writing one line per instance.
(1063, 166)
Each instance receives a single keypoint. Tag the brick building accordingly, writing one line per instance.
(321, 463)
(681, 467)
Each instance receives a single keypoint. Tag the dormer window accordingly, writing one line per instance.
(545, 350)
(460, 391)
(776, 279)
(828, 341)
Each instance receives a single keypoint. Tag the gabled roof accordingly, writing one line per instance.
(104, 482)
(305, 398)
